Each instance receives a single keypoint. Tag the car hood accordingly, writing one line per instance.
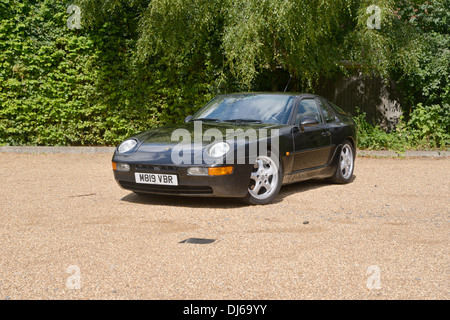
(156, 146)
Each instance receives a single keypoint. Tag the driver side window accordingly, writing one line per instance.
(308, 108)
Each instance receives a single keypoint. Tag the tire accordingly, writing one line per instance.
(345, 165)
(265, 181)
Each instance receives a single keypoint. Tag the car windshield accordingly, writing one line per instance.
(252, 108)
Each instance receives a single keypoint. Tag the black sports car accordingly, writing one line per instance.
(244, 145)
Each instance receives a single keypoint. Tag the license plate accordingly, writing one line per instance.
(156, 178)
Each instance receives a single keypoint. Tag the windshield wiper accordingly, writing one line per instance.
(206, 119)
(236, 121)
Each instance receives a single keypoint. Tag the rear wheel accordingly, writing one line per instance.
(265, 181)
(345, 166)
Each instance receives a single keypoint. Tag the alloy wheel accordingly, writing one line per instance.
(346, 162)
(264, 178)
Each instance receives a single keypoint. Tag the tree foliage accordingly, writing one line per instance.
(136, 64)
(46, 77)
(428, 83)
(307, 38)
(85, 87)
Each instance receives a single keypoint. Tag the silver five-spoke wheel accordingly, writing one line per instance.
(346, 161)
(345, 164)
(264, 178)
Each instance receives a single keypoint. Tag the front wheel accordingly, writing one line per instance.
(265, 181)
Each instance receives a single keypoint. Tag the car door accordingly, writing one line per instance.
(312, 142)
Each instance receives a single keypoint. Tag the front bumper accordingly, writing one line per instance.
(231, 185)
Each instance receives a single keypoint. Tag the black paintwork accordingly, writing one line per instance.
(307, 150)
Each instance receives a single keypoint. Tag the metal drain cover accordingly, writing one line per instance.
(198, 241)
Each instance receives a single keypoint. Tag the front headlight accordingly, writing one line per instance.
(219, 149)
(127, 145)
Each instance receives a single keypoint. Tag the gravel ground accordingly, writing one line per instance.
(68, 231)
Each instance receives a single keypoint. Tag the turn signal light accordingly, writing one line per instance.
(220, 171)
(121, 167)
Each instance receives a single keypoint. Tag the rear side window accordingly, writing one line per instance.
(327, 111)
(338, 110)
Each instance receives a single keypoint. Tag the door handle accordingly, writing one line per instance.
(325, 133)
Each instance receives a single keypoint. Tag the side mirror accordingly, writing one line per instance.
(188, 118)
(309, 121)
